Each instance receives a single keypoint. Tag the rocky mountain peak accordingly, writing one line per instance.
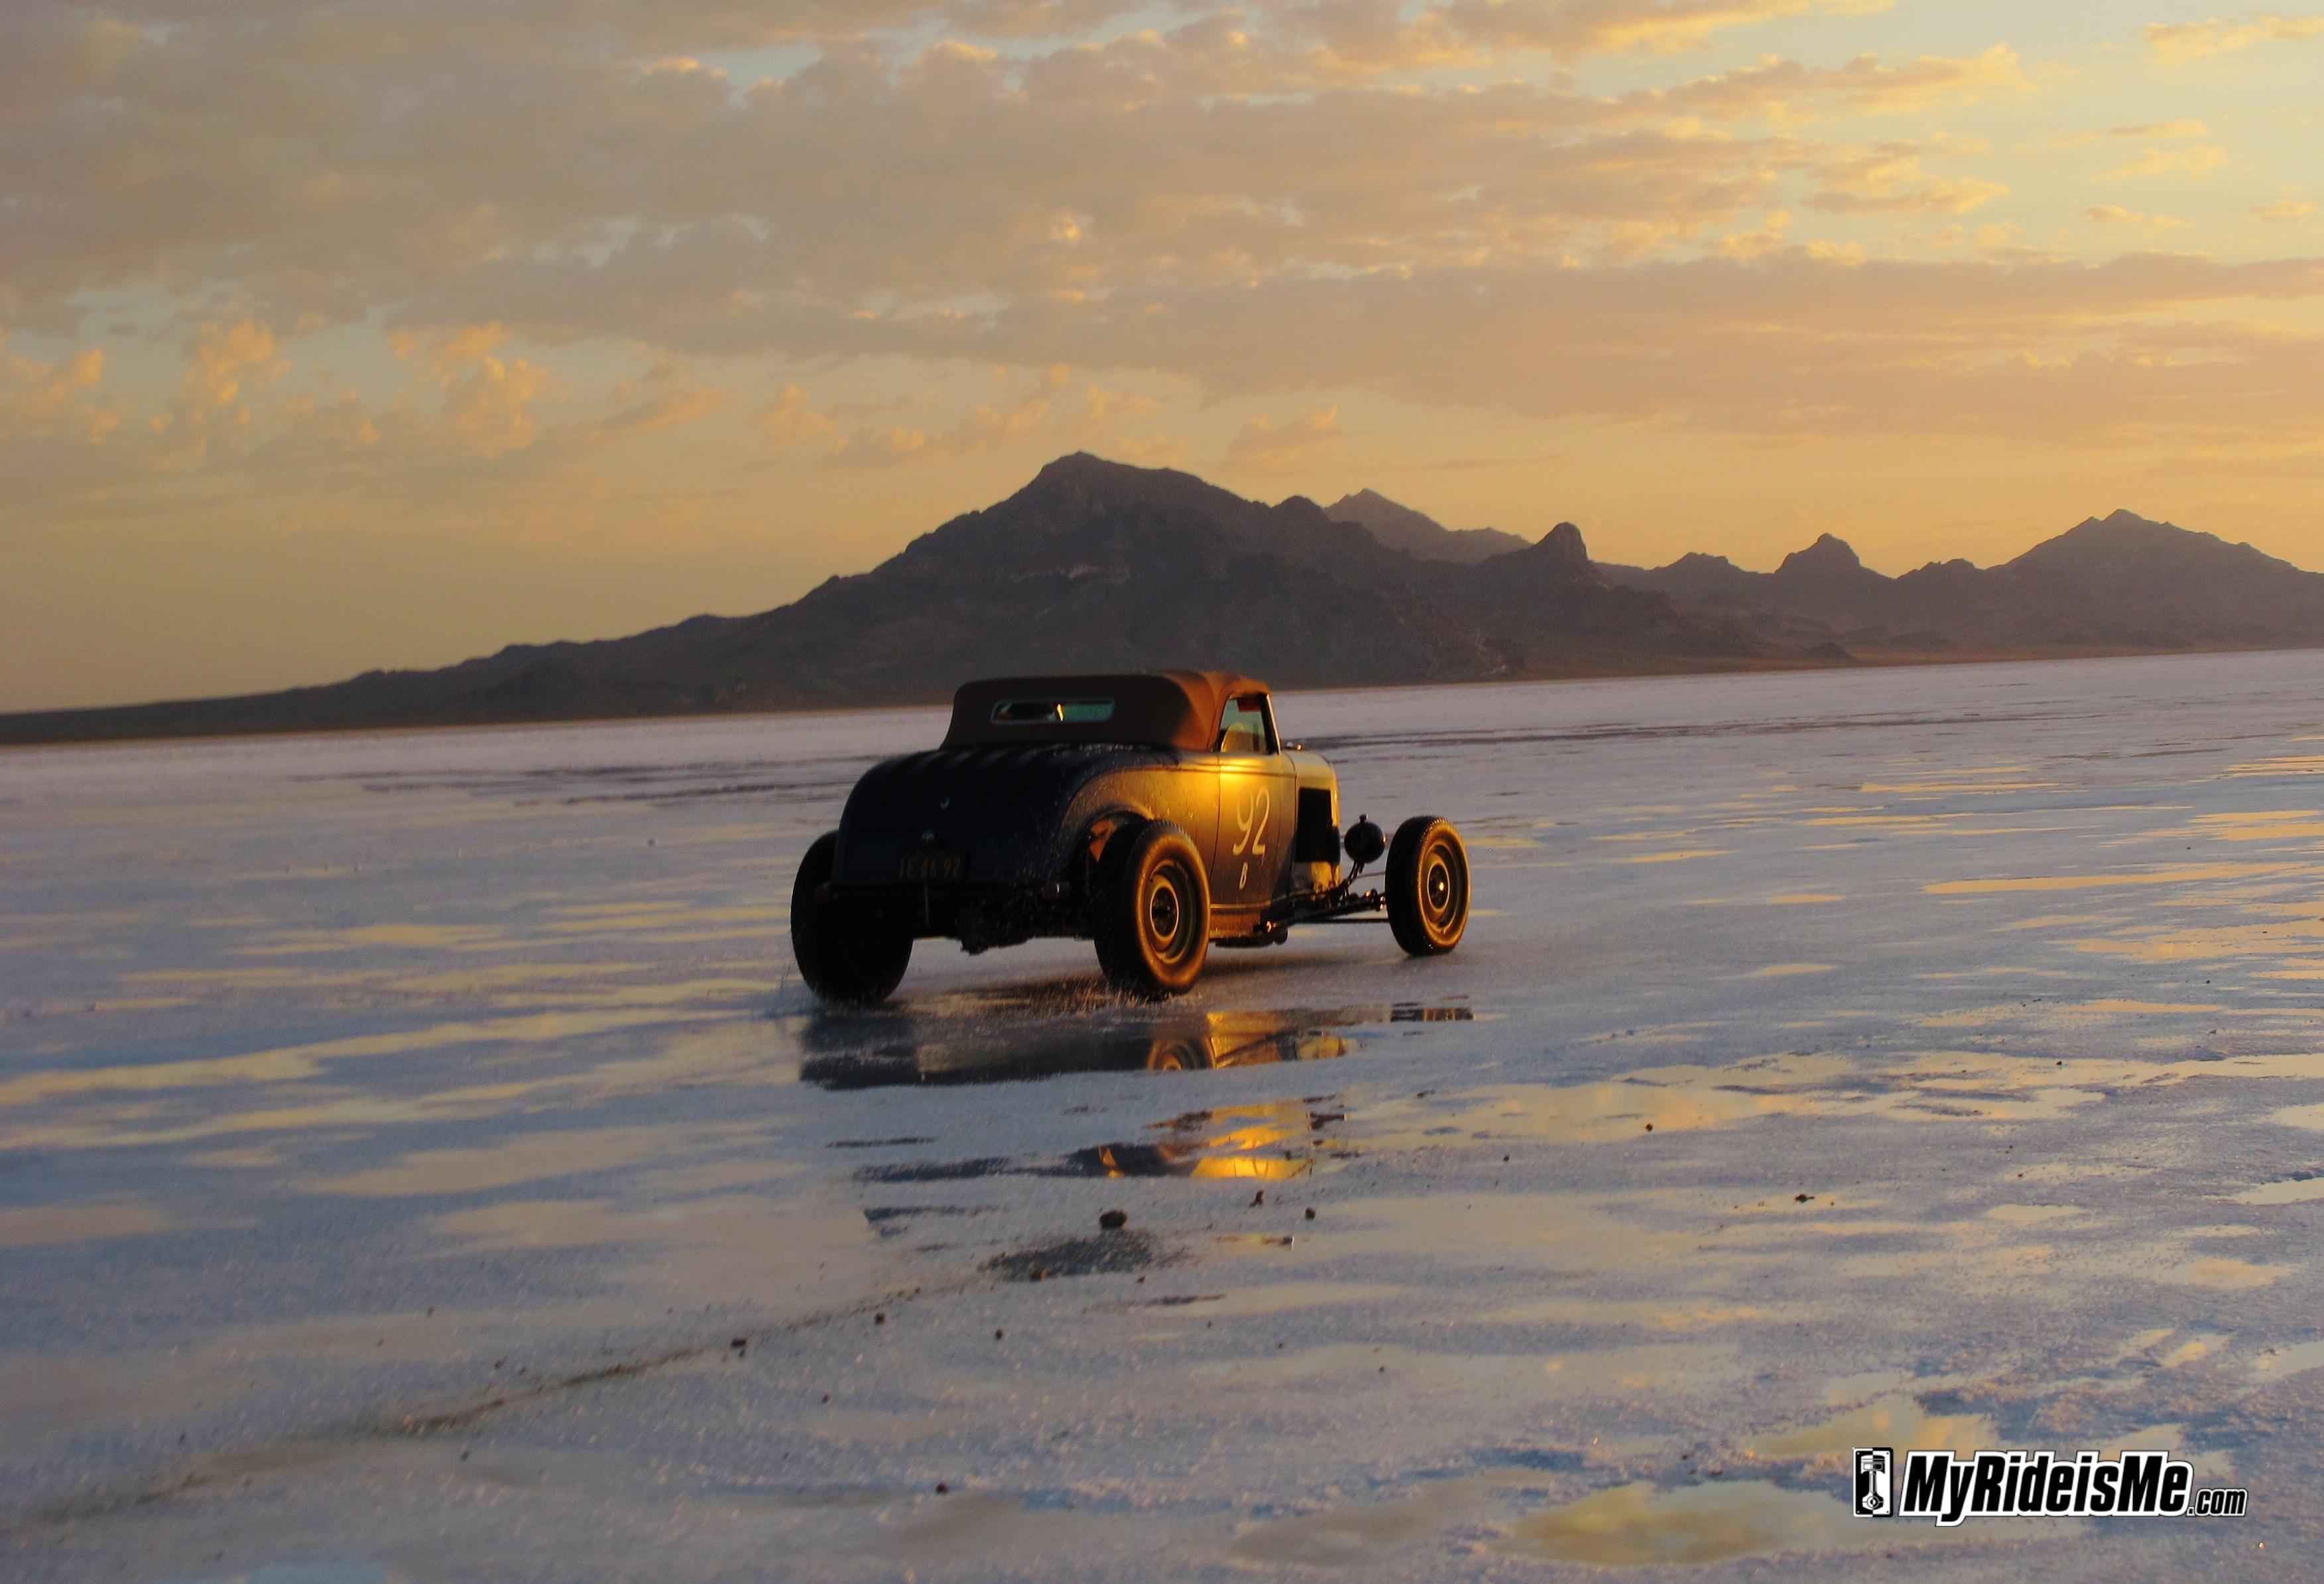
(1564, 544)
(1829, 557)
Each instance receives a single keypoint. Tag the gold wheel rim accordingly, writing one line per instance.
(1165, 913)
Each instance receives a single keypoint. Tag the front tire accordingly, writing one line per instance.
(843, 956)
(1427, 886)
(1153, 925)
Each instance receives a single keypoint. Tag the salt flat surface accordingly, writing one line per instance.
(406, 1169)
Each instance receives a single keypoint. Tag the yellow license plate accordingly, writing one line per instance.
(924, 868)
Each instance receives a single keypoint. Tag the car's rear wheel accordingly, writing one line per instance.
(1153, 925)
(1427, 886)
(842, 955)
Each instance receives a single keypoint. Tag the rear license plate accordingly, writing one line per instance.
(924, 868)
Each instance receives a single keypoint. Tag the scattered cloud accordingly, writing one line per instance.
(1768, 239)
(42, 401)
(2177, 43)
(1150, 451)
(1264, 444)
(2287, 208)
(863, 435)
(2162, 129)
(1575, 27)
(489, 407)
(666, 396)
(1890, 179)
(226, 366)
(2115, 214)
(2196, 160)
(1786, 92)
(984, 428)
(790, 419)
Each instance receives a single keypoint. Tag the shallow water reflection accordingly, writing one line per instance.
(875, 1051)
(1640, 1525)
(1265, 1142)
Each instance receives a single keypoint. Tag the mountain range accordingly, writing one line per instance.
(2113, 584)
(1097, 565)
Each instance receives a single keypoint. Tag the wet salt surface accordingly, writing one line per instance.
(406, 1170)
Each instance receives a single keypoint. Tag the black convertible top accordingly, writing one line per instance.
(1154, 709)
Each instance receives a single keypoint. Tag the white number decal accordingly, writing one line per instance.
(1252, 823)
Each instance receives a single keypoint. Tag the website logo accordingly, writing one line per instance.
(1953, 1487)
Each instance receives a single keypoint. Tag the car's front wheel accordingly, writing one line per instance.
(1153, 925)
(842, 956)
(1427, 886)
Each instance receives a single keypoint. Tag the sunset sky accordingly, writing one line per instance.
(384, 332)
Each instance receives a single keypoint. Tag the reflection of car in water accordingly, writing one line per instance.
(1154, 814)
(1270, 1143)
(1171, 1042)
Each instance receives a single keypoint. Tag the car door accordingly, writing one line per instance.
(1257, 805)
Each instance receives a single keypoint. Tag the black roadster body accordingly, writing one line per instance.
(1156, 813)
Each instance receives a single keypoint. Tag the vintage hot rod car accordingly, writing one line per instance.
(1156, 813)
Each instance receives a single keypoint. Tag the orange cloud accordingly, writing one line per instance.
(52, 401)
(2115, 214)
(1264, 444)
(1784, 91)
(2198, 160)
(666, 396)
(1584, 26)
(2177, 43)
(790, 418)
(1890, 179)
(488, 409)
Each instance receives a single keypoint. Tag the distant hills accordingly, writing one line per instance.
(1098, 565)
(1401, 528)
(2113, 584)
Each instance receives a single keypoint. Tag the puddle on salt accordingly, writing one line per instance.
(2297, 1189)
(2226, 1274)
(1900, 1419)
(1264, 1142)
(880, 1050)
(1641, 1524)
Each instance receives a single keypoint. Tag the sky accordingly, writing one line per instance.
(347, 334)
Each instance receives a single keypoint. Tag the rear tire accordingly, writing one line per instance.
(1427, 886)
(843, 956)
(1153, 924)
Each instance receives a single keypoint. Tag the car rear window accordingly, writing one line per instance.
(1052, 711)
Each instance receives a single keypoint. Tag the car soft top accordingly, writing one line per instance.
(1155, 709)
